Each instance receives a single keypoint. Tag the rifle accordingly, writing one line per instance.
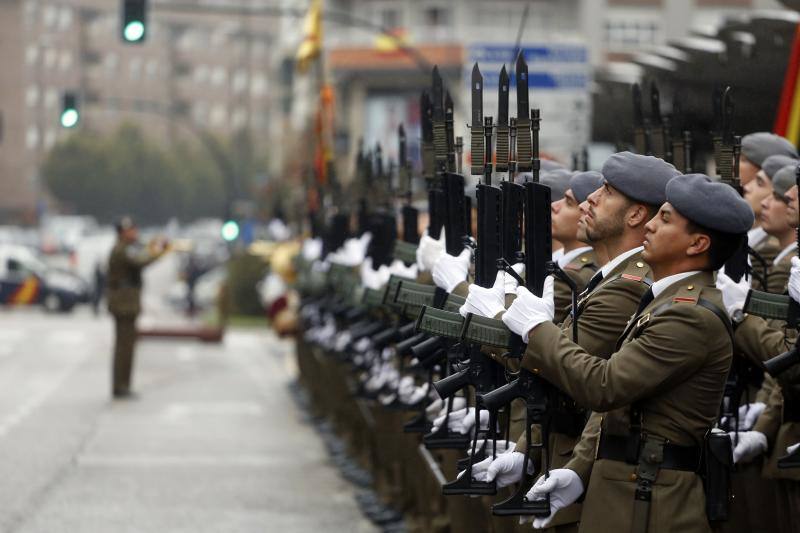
(405, 250)
(640, 131)
(524, 149)
(727, 149)
(658, 133)
(681, 137)
(480, 370)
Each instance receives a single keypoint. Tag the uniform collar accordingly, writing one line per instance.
(568, 257)
(558, 254)
(659, 286)
(756, 236)
(611, 265)
(786, 251)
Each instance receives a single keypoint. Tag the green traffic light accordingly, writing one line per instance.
(230, 230)
(134, 31)
(69, 118)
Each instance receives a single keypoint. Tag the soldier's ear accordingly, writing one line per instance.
(637, 215)
(699, 244)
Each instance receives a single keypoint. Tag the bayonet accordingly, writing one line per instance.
(438, 119)
(426, 124)
(450, 132)
(524, 148)
(502, 142)
(639, 129)
(477, 146)
(657, 133)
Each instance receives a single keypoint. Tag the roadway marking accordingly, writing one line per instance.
(148, 460)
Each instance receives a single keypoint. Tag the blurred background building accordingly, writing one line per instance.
(227, 73)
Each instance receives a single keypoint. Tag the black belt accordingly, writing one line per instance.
(616, 448)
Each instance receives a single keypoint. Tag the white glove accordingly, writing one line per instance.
(748, 414)
(429, 251)
(733, 294)
(528, 310)
(453, 421)
(503, 446)
(466, 424)
(485, 302)
(792, 448)
(509, 282)
(505, 469)
(398, 268)
(751, 444)
(312, 249)
(451, 270)
(564, 487)
(352, 252)
(794, 280)
(438, 407)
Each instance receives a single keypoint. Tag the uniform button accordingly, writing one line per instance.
(640, 264)
(633, 477)
(584, 260)
(690, 287)
(652, 458)
(535, 370)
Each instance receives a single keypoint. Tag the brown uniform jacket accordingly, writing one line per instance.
(124, 284)
(580, 270)
(673, 365)
(602, 317)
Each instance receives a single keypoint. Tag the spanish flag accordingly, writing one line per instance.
(787, 123)
(311, 46)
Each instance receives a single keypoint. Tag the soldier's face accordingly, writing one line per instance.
(791, 209)
(757, 190)
(565, 214)
(604, 215)
(774, 215)
(747, 170)
(667, 238)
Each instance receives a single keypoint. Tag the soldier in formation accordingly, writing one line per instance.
(642, 358)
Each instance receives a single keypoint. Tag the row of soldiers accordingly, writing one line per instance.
(636, 367)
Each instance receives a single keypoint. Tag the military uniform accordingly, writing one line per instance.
(602, 316)
(580, 270)
(671, 365)
(125, 267)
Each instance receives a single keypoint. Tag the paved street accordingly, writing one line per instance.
(213, 444)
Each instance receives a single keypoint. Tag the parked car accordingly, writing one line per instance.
(26, 280)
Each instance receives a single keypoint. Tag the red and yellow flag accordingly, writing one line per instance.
(787, 122)
(311, 46)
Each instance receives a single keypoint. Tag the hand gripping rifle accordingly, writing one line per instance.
(480, 372)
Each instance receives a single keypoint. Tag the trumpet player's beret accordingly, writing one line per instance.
(585, 183)
(710, 204)
(642, 178)
(758, 146)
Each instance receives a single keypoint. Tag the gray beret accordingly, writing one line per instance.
(713, 205)
(784, 179)
(558, 181)
(774, 163)
(585, 183)
(642, 178)
(758, 146)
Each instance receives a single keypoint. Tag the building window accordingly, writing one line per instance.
(219, 76)
(437, 16)
(239, 118)
(32, 137)
(51, 98)
(31, 54)
(631, 33)
(64, 18)
(135, 68)
(218, 116)
(259, 85)
(49, 16)
(49, 138)
(239, 81)
(50, 58)
(151, 68)
(32, 96)
(111, 62)
(390, 18)
(65, 61)
(201, 74)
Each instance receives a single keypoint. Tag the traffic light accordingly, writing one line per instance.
(69, 110)
(230, 230)
(134, 21)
